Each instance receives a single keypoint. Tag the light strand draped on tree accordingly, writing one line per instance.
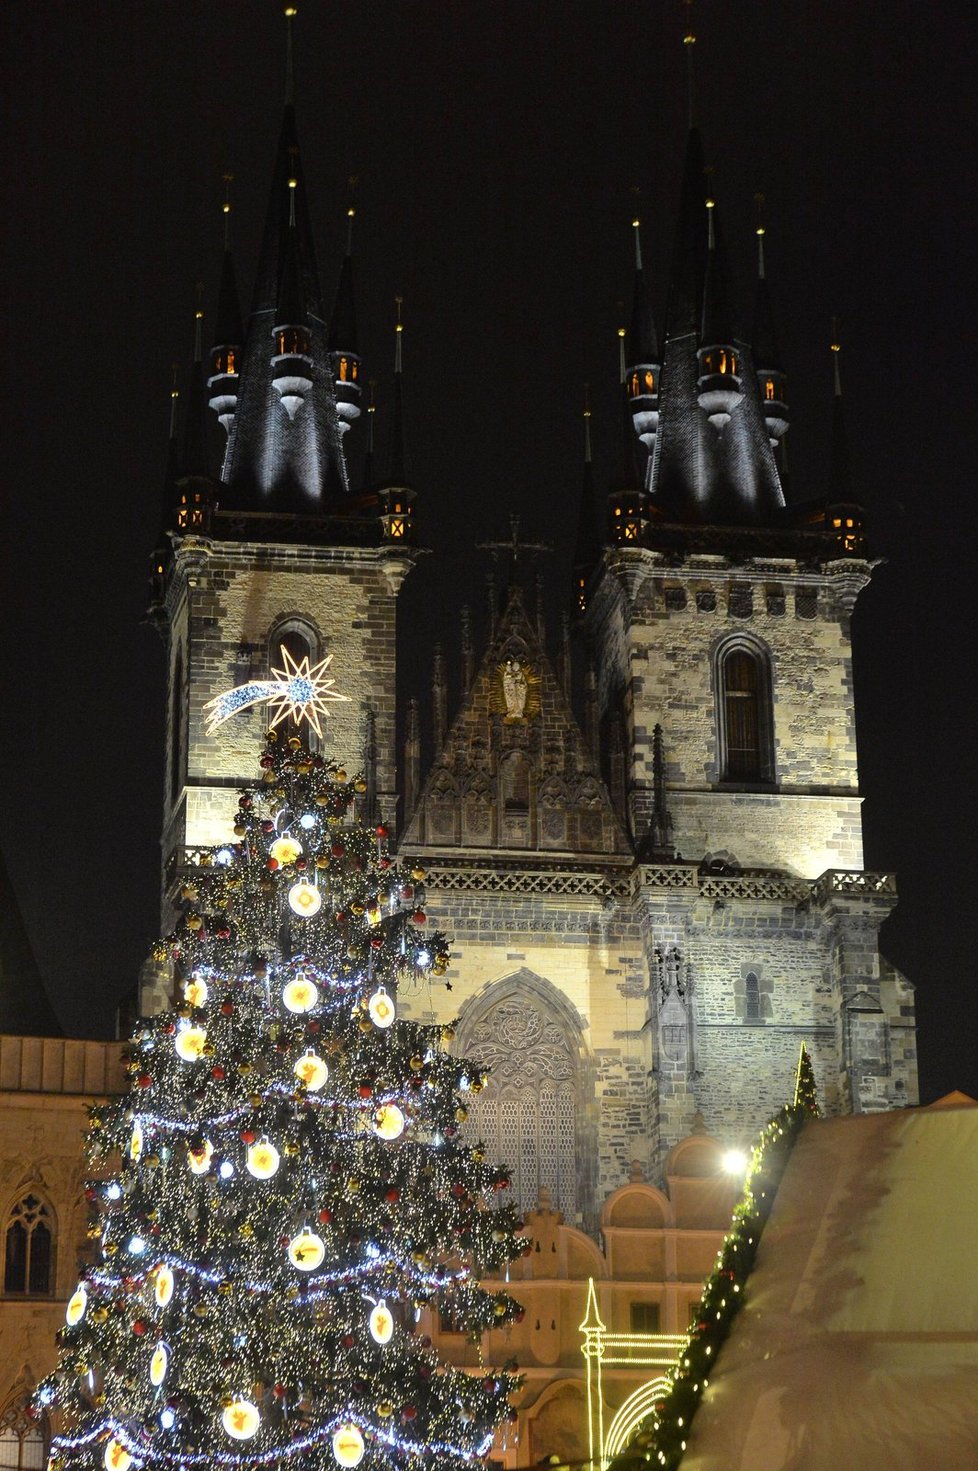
(285, 1186)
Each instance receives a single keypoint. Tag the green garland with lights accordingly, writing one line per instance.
(286, 1188)
(663, 1442)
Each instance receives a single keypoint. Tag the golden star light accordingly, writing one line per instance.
(298, 691)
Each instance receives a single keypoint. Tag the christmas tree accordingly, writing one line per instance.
(285, 1187)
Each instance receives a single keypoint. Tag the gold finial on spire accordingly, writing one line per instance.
(711, 204)
(760, 232)
(636, 224)
(290, 14)
(836, 346)
(689, 41)
(174, 395)
(226, 209)
(621, 351)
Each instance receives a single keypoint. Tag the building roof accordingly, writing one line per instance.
(858, 1343)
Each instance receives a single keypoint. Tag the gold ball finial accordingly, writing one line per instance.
(291, 12)
(636, 223)
(350, 212)
(621, 331)
(293, 182)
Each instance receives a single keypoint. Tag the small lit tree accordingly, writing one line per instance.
(284, 1187)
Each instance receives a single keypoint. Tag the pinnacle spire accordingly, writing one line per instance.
(643, 341)
(587, 548)
(396, 471)
(764, 341)
(290, 14)
(194, 459)
(840, 473)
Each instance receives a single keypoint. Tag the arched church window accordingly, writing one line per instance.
(526, 1115)
(752, 998)
(22, 1441)
(746, 739)
(28, 1248)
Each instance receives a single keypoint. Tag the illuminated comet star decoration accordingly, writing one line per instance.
(297, 691)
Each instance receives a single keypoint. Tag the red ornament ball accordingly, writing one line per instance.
(381, 830)
(271, 864)
(217, 1073)
(325, 1216)
(144, 1080)
(393, 1195)
(419, 917)
(248, 1136)
(139, 1327)
(227, 1008)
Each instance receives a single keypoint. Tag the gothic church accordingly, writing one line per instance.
(652, 909)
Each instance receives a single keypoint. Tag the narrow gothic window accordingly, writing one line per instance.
(300, 642)
(752, 998)
(22, 1442)
(28, 1255)
(526, 1114)
(745, 716)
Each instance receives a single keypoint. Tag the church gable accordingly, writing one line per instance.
(515, 772)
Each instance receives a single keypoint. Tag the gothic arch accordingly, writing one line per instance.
(30, 1242)
(639, 1205)
(24, 1439)
(535, 1113)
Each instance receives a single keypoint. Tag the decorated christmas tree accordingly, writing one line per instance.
(285, 1188)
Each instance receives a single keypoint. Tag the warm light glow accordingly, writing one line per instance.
(159, 1364)
(381, 1008)
(300, 995)
(381, 1323)
(735, 1163)
(195, 991)
(298, 691)
(305, 899)
(136, 1142)
(262, 1160)
(348, 1445)
(312, 1071)
(241, 1419)
(389, 1121)
(307, 1250)
(163, 1291)
(189, 1043)
(285, 850)
(199, 1158)
(116, 1457)
(77, 1304)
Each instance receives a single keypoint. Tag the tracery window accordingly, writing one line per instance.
(752, 998)
(22, 1441)
(28, 1248)
(527, 1114)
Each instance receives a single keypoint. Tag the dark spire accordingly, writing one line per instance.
(689, 257)
(717, 323)
(764, 339)
(343, 322)
(396, 471)
(840, 473)
(629, 480)
(172, 474)
(588, 547)
(24, 1007)
(369, 468)
(228, 331)
(643, 341)
(194, 460)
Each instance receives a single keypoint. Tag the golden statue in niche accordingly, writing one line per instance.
(515, 692)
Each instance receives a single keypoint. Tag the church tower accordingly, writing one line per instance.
(273, 550)
(720, 623)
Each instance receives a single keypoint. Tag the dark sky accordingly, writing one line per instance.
(498, 148)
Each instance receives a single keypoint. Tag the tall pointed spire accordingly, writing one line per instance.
(840, 473)
(343, 336)
(228, 331)
(194, 458)
(369, 465)
(644, 361)
(719, 385)
(587, 549)
(771, 380)
(277, 460)
(396, 471)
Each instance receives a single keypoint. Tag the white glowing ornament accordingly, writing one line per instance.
(159, 1364)
(116, 1457)
(241, 1419)
(189, 1043)
(285, 850)
(305, 899)
(136, 1142)
(307, 1250)
(381, 1323)
(381, 1008)
(163, 1291)
(199, 1157)
(262, 1160)
(77, 1304)
(348, 1445)
(195, 991)
(300, 995)
(311, 1070)
(388, 1121)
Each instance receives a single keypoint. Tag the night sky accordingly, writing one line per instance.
(501, 150)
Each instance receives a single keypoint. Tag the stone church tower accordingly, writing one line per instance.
(652, 910)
